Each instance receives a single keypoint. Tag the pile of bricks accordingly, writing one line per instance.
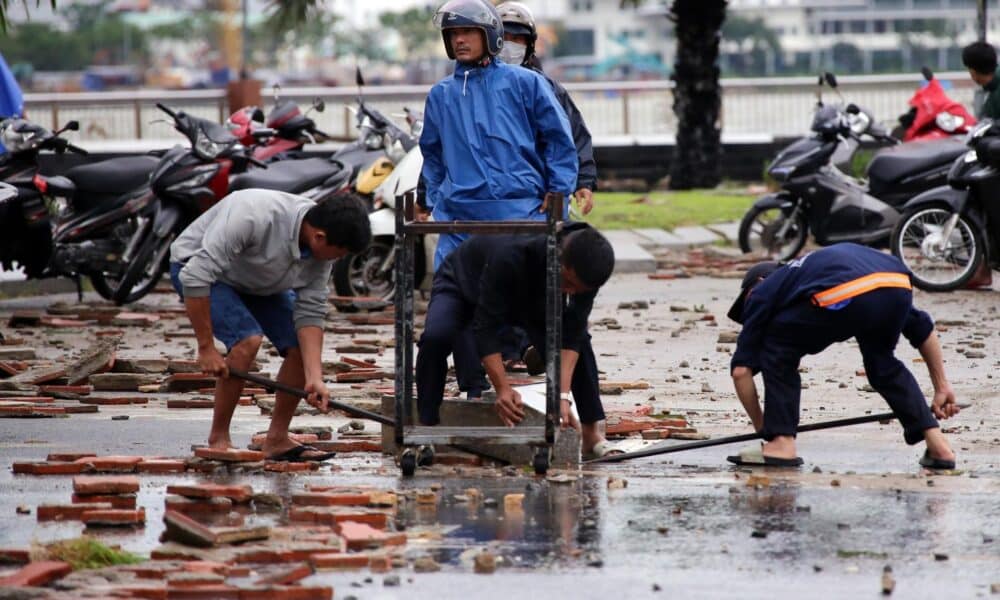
(650, 427)
(99, 501)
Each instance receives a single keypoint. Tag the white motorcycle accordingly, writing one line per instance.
(370, 273)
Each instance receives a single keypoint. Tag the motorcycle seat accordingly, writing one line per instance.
(292, 176)
(60, 186)
(899, 162)
(113, 177)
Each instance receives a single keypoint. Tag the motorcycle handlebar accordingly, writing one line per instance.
(257, 163)
(166, 109)
(76, 149)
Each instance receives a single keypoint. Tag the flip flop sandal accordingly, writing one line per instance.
(929, 462)
(753, 456)
(602, 449)
(294, 454)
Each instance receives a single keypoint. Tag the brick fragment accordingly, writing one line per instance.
(291, 467)
(360, 536)
(200, 403)
(229, 455)
(236, 493)
(287, 576)
(134, 319)
(330, 499)
(14, 556)
(114, 517)
(198, 506)
(208, 591)
(185, 530)
(347, 446)
(120, 501)
(49, 468)
(111, 464)
(187, 382)
(189, 579)
(81, 390)
(287, 593)
(105, 485)
(67, 512)
(121, 382)
(37, 574)
(330, 515)
(339, 560)
(161, 465)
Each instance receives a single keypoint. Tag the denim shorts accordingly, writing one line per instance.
(237, 316)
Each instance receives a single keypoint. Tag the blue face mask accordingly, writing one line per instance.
(513, 53)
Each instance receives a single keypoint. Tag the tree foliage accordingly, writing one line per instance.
(5, 4)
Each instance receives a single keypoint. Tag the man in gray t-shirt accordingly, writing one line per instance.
(258, 263)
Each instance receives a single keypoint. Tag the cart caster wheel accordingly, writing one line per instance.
(408, 463)
(425, 456)
(541, 462)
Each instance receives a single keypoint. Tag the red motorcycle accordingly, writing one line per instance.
(285, 130)
(933, 114)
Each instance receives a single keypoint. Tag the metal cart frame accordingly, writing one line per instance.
(410, 437)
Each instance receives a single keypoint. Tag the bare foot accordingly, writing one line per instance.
(782, 446)
(937, 445)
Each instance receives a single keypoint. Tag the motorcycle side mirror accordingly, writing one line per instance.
(72, 126)
(831, 79)
(319, 104)
(276, 92)
(927, 73)
(819, 80)
(853, 109)
(358, 78)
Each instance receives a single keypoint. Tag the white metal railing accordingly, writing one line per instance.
(773, 107)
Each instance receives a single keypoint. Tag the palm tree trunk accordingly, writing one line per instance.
(697, 93)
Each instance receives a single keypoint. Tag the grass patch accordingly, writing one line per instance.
(667, 210)
(87, 553)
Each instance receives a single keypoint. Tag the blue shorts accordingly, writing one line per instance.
(237, 316)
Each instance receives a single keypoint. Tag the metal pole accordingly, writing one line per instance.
(981, 19)
(400, 268)
(553, 317)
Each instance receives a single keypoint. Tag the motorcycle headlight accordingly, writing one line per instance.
(948, 122)
(395, 150)
(373, 141)
(781, 173)
(199, 176)
(206, 148)
(859, 123)
(14, 140)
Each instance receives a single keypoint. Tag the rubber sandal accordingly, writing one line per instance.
(602, 449)
(753, 456)
(294, 454)
(929, 462)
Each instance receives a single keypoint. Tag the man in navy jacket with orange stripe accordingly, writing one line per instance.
(827, 296)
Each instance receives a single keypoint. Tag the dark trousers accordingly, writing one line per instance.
(448, 330)
(875, 319)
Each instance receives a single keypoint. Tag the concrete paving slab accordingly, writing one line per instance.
(630, 256)
(624, 236)
(696, 236)
(658, 238)
(729, 231)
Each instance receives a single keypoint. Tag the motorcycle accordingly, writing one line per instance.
(947, 232)
(933, 114)
(818, 197)
(78, 224)
(282, 134)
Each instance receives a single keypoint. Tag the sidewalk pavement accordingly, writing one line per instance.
(635, 248)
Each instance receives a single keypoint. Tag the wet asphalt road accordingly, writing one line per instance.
(686, 525)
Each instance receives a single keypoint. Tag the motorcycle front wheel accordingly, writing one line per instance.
(938, 265)
(371, 273)
(141, 275)
(773, 233)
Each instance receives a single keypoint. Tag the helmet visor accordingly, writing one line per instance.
(463, 13)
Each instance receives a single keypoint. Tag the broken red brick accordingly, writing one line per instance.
(31, 400)
(184, 579)
(111, 464)
(68, 456)
(185, 530)
(287, 576)
(656, 434)
(291, 467)
(301, 438)
(82, 390)
(338, 560)
(146, 592)
(236, 493)
(361, 364)
(24, 318)
(186, 382)
(161, 465)
(330, 499)
(105, 485)
(359, 536)
(59, 323)
(81, 409)
(37, 574)
(14, 556)
(214, 591)
(67, 512)
(120, 501)
(125, 319)
(229, 455)
(50, 468)
(363, 376)
(108, 401)
(114, 517)
(199, 506)
(350, 445)
(330, 515)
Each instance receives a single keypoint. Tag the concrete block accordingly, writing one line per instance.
(728, 231)
(696, 236)
(657, 238)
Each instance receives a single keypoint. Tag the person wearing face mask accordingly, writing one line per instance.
(520, 35)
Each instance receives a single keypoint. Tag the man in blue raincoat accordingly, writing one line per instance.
(495, 139)
(11, 100)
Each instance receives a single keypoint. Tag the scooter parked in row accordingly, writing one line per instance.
(284, 132)
(818, 197)
(946, 233)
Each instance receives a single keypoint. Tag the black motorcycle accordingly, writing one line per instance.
(82, 223)
(818, 197)
(947, 232)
